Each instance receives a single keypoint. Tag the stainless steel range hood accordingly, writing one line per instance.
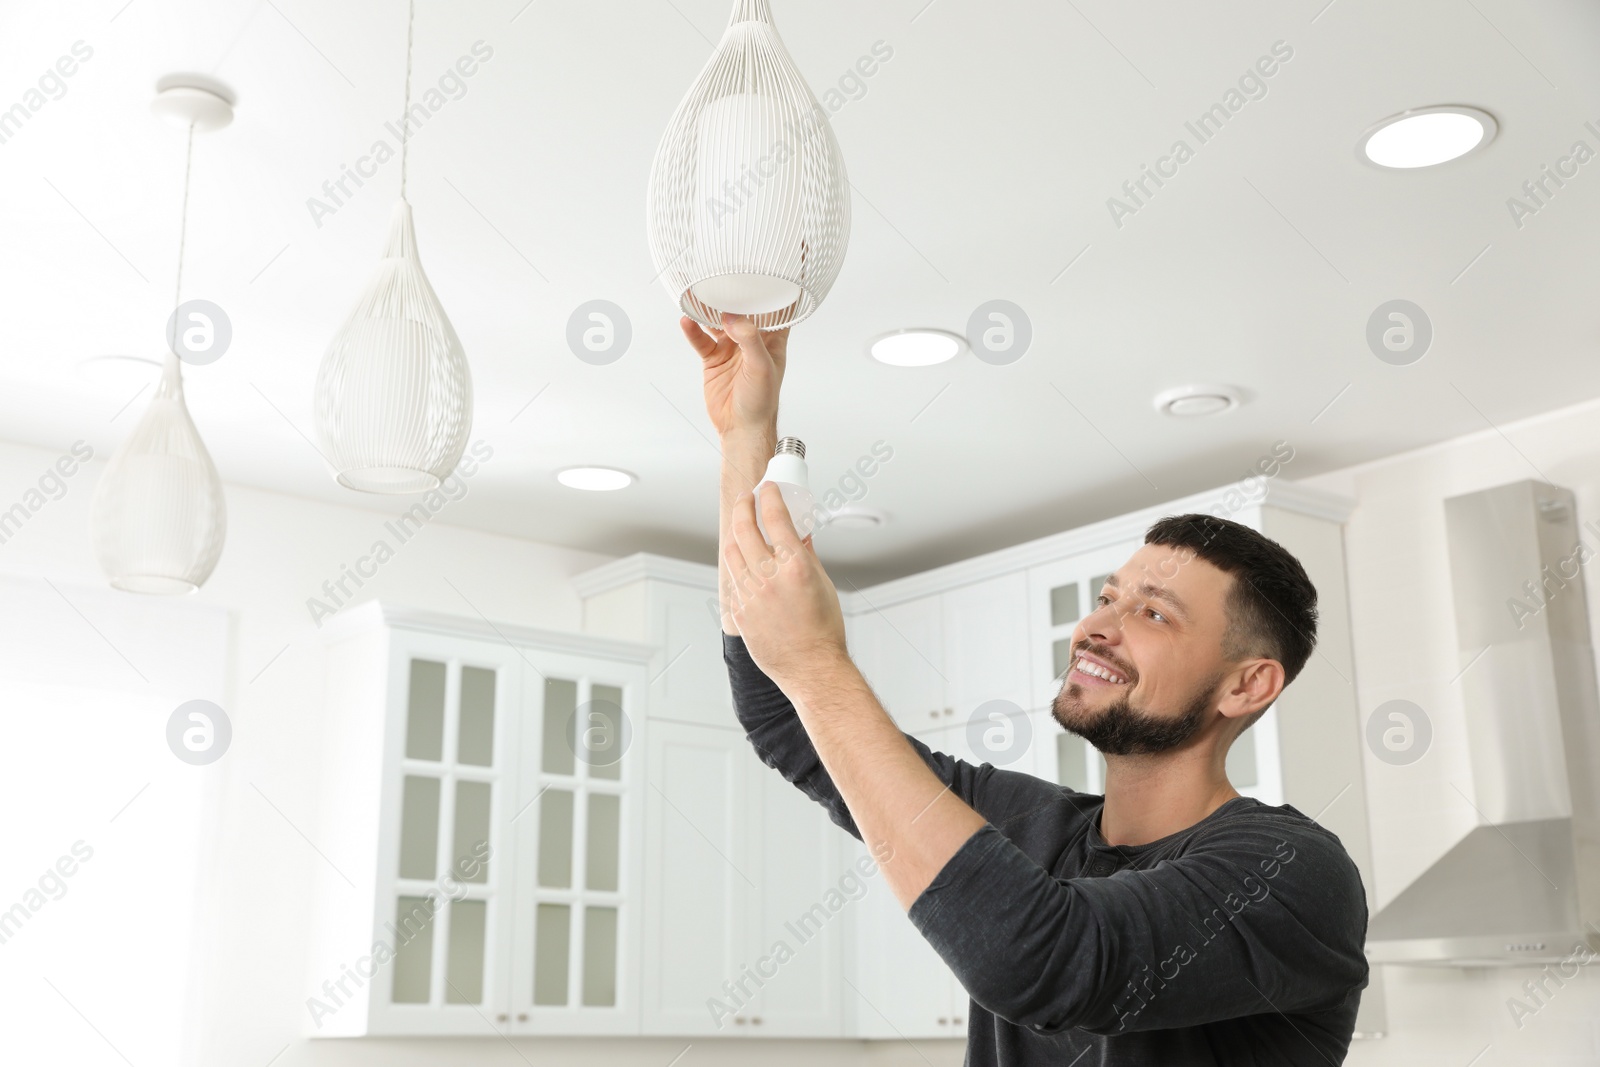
(1523, 887)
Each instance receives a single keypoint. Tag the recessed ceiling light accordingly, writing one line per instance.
(1426, 136)
(595, 479)
(854, 518)
(917, 347)
(1190, 401)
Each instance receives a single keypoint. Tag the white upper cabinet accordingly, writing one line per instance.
(671, 606)
(485, 805)
(986, 647)
(901, 655)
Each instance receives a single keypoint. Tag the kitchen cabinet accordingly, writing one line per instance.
(485, 808)
(935, 660)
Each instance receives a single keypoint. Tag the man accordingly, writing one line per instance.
(1171, 922)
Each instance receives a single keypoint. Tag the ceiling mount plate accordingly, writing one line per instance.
(193, 100)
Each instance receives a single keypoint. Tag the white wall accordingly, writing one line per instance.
(1403, 626)
(244, 1002)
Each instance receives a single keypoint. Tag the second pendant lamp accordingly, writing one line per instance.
(394, 392)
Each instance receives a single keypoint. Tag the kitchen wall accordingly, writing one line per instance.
(245, 1003)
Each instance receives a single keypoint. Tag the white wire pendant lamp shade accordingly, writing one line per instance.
(749, 204)
(394, 391)
(158, 517)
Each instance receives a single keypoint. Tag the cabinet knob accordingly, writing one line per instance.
(738, 1020)
(949, 711)
(934, 714)
(522, 1017)
(943, 1021)
(502, 1017)
(957, 1020)
(755, 1020)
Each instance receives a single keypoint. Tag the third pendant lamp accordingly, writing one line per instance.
(394, 392)
(749, 205)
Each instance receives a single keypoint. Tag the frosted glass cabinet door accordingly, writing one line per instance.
(576, 821)
(443, 909)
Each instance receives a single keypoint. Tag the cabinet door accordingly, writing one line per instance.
(698, 878)
(986, 645)
(801, 896)
(900, 987)
(577, 822)
(902, 658)
(446, 857)
(688, 678)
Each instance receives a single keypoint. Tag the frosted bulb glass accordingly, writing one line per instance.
(788, 471)
(158, 516)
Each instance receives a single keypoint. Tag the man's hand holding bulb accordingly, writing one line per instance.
(777, 596)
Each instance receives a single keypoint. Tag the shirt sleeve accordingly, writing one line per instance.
(1263, 914)
(774, 729)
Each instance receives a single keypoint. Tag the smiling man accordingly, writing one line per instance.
(1170, 922)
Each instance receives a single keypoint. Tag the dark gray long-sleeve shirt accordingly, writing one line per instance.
(1232, 943)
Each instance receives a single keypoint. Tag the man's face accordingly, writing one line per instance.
(1157, 629)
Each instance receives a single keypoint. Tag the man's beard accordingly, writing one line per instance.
(1119, 729)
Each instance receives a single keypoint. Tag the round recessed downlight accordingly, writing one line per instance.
(854, 518)
(1426, 137)
(1193, 401)
(595, 479)
(918, 347)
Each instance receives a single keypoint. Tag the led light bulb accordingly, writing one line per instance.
(788, 470)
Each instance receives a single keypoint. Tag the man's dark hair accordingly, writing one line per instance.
(1272, 610)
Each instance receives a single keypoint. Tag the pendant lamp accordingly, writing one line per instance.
(749, 205)
(394, 392)
(158, 517)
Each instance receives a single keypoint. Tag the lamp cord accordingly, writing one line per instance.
(183, 233)
(405, 116)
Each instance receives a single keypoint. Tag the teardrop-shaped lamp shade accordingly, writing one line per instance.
(749, 205)
(158, 514)
(394, 393)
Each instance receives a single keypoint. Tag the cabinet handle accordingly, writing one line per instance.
(756, 1020)
(738, 1020)
(934, 714)
(957, 1020)
(502, 1017)
(949, 711)
(943, 1021)
(522, 1017)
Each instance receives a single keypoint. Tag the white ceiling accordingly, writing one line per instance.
(982, 155)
